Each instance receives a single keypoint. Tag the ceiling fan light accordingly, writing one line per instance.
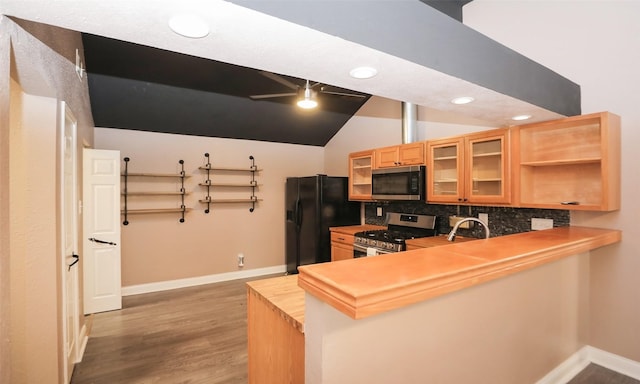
(189, 25)
(307, 103)
(363, 72)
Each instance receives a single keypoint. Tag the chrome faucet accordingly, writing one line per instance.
(452, 234)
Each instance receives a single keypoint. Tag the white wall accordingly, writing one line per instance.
(34, 252)
(156, 247)
(597, 45)
(38, 66)
(510, 330)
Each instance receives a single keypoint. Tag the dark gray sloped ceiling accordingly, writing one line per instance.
(144, 88)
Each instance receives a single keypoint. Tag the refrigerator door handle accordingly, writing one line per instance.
(298, 214)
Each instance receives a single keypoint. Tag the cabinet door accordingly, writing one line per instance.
(387, 157)
(487, 167)
(411, 154)
(445, 170)
(360, 166)
(341, 252)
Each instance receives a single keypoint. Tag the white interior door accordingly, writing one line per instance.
(69, 218)
(101, 224)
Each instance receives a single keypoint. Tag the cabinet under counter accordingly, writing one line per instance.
(342, 240)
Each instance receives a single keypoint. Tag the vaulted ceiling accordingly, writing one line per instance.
(144, 76)
(157, 90)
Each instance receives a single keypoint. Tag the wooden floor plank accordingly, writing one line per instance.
(189, 335)
(595, 374)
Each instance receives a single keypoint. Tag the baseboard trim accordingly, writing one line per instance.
(200, 280)
(84, 339)
(568, 369)
(614, 362)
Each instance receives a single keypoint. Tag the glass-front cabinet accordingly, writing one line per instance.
(360, 167)
(470, 169)
(445, 172)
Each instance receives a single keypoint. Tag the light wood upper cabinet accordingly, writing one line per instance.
(572, 163)
(470, 169)
(360, 167)
(400, 155)
(445, 170)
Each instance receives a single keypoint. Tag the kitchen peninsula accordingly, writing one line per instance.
(488, 305)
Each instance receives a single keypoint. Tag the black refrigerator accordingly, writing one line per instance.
(313, 204)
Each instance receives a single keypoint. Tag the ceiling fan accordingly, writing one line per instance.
(306, 94)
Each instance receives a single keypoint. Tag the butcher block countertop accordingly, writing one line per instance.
(367, 286)
(353, 229)
(284, 295)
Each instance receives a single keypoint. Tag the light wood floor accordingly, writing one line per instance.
(193, 335)
(189, 335)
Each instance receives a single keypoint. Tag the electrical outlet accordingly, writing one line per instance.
(484, 217)
(379, 211)
(540, 224)
(240, 259)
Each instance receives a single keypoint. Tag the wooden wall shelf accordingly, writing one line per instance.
(126, 193)
(209, 183)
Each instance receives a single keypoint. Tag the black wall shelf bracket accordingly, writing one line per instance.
(183, 208)
(126, 177)
(207, 182)
(254, 183)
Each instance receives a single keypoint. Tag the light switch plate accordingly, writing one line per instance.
(379, 211)
(540, 224)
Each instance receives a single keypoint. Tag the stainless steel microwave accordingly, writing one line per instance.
(399, 183)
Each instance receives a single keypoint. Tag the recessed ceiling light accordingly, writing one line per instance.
(462, 100)
(189, 25)
(521, 117)
(363, 72)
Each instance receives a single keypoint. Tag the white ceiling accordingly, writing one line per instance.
(248, 38)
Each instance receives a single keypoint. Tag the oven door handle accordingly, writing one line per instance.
(362, 248)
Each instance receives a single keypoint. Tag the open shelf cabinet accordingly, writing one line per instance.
(360, 168)
(572, 163)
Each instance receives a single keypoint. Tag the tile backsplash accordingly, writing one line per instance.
(502, 220)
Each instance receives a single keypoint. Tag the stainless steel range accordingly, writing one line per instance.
(400, 226)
